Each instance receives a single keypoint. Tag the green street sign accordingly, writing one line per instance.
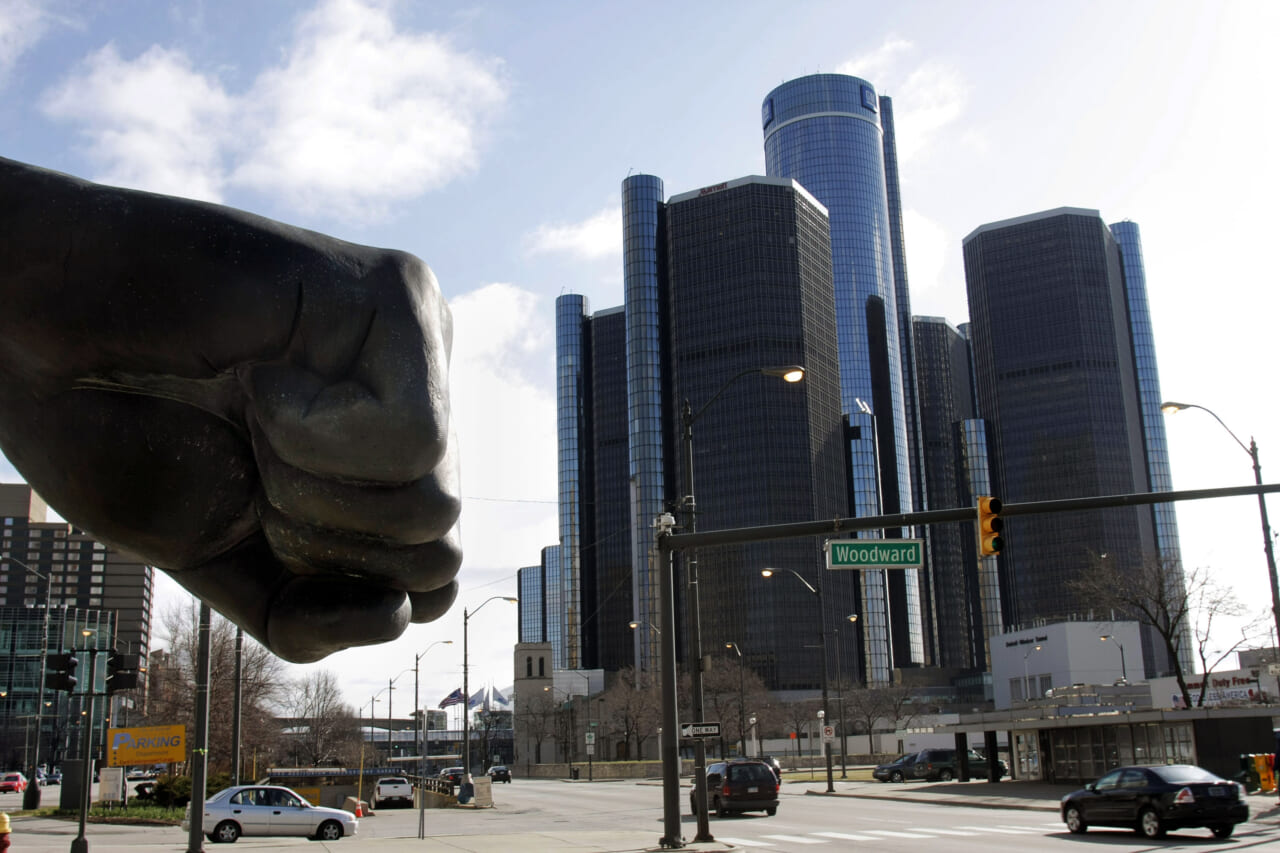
(874, 553)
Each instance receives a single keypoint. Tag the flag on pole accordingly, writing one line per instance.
(454, 698)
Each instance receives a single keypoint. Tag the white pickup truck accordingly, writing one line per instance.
(390, 789)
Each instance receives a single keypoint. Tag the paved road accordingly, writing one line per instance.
(536, 816)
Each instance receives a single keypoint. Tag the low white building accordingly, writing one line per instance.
(1027, 663)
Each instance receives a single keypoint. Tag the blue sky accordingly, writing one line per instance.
(490, 139)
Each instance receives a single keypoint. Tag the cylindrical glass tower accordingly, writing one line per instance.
(824, 131)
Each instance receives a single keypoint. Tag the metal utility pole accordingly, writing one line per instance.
(200, 746)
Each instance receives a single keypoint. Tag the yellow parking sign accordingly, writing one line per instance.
(150, 745)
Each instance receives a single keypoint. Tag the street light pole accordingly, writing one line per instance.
(790, 373)
(742, 693)
(31, 797)
(822, 633)
(1124, 670)
(1026, 679)
(419, 729)
(466, 689)
(1252, 450)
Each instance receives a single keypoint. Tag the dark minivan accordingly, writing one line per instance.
(743, 785)
(941, 765)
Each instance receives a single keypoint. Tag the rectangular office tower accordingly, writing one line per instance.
(1066, 377)
(834, 135)
(721, 284)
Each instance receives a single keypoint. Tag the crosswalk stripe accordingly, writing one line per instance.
(795, 839)
(951, 831)
(1005, 831)
(743, 842)
(889, 833)
(846, 836)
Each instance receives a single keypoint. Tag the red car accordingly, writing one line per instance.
(15, 782)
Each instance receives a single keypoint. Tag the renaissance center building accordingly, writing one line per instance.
(833, 134)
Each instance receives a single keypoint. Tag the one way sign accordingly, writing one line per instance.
(700, 730)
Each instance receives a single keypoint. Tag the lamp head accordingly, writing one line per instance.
(768, 573)
(633, 625)
(852, 617)
(788, 373)
(1169, 407)
(510, 598)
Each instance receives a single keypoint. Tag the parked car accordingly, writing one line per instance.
(1153, 800)
(453, 774)
(269, 810)
(899, 770)
(741, 785)
(392, 789)
(15, 782)
(53, 777)
(775, 764)
(499, 773)
(941, 765)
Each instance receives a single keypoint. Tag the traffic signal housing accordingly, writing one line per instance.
(989, 526)
(60, 671)
(122, 672)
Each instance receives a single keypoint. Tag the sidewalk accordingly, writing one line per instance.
(1009, 794)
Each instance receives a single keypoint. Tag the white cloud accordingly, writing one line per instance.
(507, 414)
(598, 236)
(22, 24)
(153, 123)
(356, 116)
(928, 96)
(360, 114)
(933, 255)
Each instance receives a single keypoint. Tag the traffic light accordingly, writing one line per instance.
(122, 672)
(989, 526)
(60, 671)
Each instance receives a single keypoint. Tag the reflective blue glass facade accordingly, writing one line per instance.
(554, 610)
(642, 201)
(1129, 237)
(824, 131)
(986, 619)
(572, 436)
(532, 606)
(1058, 382)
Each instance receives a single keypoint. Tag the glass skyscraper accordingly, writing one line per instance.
(825, 131)
(1064, 366)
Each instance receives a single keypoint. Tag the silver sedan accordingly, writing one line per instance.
(262, 810)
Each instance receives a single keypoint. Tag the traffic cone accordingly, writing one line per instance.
(359, 809)
(4, 831)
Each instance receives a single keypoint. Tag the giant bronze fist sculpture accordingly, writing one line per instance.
(260, 410)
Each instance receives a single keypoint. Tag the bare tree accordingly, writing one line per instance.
(1150, 595)
(884, 708)
(632, 709)
(325, 727)
(801, 716)
(172, 699)
(536, 717)
(1211, 601)
(732, 695)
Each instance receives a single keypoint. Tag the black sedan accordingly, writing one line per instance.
(898, 770)
(1155, 799)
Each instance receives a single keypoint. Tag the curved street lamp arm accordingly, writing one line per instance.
(1170, 407)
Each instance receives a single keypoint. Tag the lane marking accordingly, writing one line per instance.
(846, 836)
(795, 839)
(889, 833)
(951, 831)
(1005, 831)
(743, 842)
